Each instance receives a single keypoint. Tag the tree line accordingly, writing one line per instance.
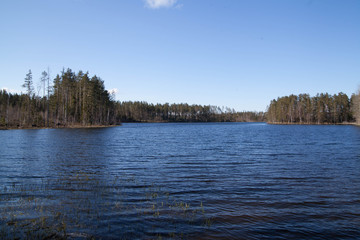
(145, 112)
(73, 99)
(320, 109)
(78, 99)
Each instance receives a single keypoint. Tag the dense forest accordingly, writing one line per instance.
(74, 99)
(143, 111)
(77, 99)
(320, 109)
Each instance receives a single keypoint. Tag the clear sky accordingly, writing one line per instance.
(235, 53)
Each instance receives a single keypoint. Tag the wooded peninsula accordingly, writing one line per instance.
(320, 109)
(79, 100)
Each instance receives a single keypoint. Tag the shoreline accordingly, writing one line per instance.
(188, 122)
(108, 126)
(318, 124)
(117, 125)
(60, 127)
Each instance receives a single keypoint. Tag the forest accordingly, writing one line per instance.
(319, 109)
(73, 99)
(77, 99)
(145, 112)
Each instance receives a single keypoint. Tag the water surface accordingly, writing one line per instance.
(203, 181)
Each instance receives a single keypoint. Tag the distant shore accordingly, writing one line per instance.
(313, 123)
(59, 127)
(108, 126)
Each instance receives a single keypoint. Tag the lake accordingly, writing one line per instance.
(192, 181)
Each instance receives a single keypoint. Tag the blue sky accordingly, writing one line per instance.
(235, 53)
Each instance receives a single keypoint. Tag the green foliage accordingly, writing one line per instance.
(78, 99)
(28, 84)
(2, 122)
(320, 109)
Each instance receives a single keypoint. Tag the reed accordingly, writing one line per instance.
(80, 205)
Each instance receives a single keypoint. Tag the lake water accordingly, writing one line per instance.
(192, 181)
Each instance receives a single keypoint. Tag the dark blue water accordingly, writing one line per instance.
(202, 181)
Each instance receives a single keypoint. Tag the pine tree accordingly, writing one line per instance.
(43, 80)
(28, 85)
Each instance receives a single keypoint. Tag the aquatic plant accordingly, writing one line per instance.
(81, 205)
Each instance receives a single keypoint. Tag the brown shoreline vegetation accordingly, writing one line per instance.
(100, 126)
(110, 126)
(58, 127)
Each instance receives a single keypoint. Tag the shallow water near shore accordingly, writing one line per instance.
(172, 180)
